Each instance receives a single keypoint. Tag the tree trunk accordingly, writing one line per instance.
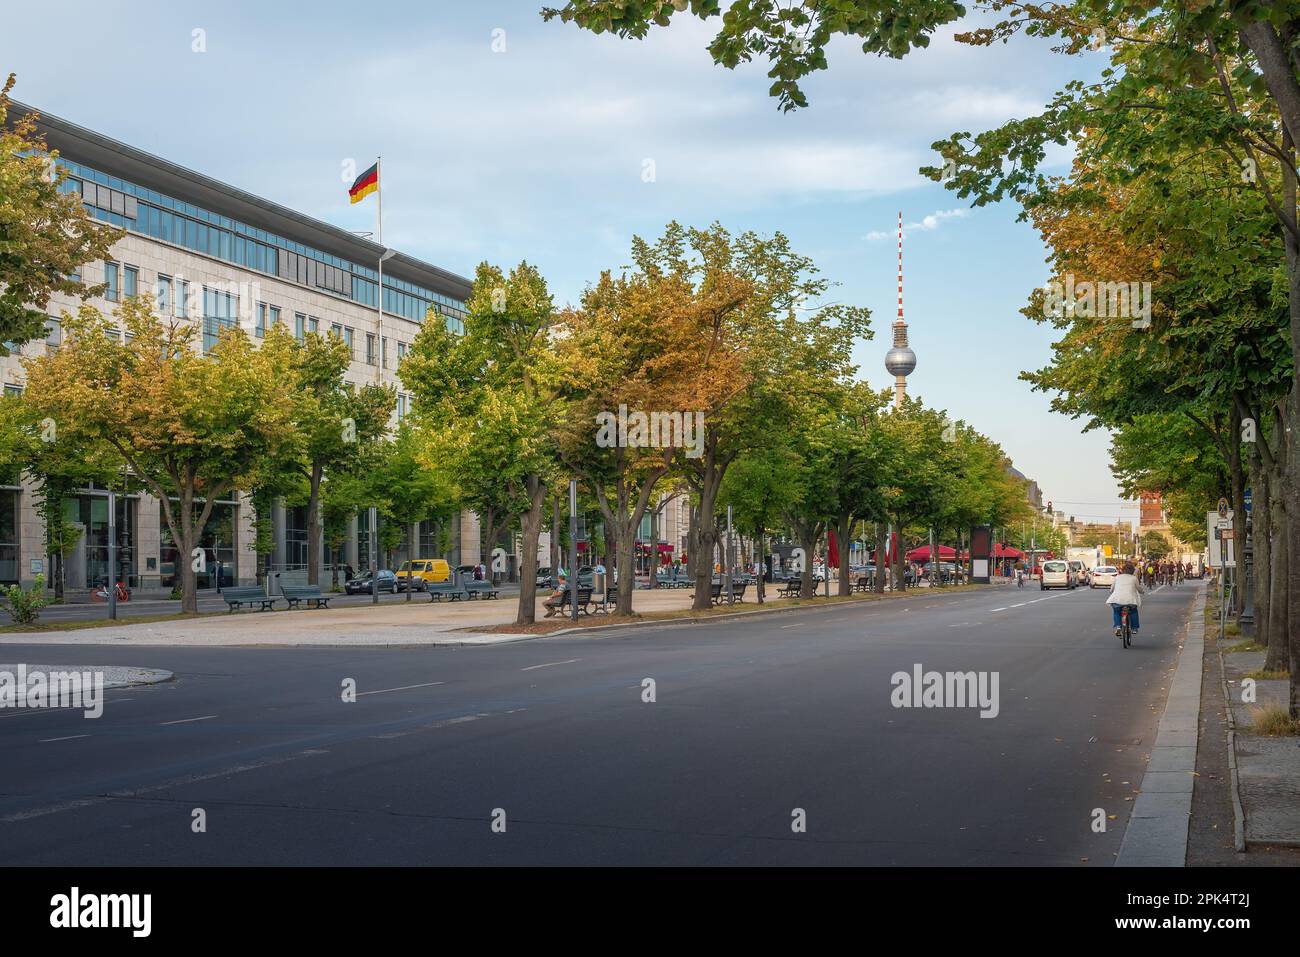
(1238, 476)
(531, 527)
(626, 583)
(842, 533)
(1275, 633)
(808, 538)
(1261, 539)
(313, 524)
(762, 561)
(878, 580)
(708, 541)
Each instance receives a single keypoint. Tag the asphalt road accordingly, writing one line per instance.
(752, 720)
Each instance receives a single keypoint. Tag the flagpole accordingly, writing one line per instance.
(379, 233)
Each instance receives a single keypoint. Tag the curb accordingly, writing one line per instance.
(1234, 780)
(732, 616)
(1157, 830)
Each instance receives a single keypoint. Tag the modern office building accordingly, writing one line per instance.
(215, 256)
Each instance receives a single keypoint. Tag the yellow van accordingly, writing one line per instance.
(423, 572)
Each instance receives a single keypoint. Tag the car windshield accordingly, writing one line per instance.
(1055, 566)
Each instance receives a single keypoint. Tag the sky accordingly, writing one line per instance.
(505, 138)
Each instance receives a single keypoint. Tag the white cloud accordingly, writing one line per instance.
(925, 224)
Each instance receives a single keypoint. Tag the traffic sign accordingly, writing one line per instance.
(1223, 508)
(1247, 501)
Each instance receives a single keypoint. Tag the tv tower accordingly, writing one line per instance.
(900, 360)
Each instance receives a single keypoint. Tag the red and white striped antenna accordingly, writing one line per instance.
(900, 268)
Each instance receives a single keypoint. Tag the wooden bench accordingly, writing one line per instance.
(863, 583)
(718, 592)
(791, 588)
(583, 601)
(481, 588)
(449, 590)
(609, 598)
(248, 595)
(311, 594)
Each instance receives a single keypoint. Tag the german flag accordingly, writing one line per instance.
(366, 184)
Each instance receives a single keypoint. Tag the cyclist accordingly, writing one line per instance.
(1125, 591)
(1020, 577)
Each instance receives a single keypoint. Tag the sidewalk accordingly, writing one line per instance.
(1267, 768)
(1157, 828)
(418, 622)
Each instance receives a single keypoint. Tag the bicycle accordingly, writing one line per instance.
(1125, 632)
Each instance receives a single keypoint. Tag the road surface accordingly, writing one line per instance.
(756, 725)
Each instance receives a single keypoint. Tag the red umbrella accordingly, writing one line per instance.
(922, 553)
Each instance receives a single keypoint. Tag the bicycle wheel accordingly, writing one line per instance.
(1128, 635)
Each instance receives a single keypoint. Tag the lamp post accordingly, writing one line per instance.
(573, 549)
(112, 554)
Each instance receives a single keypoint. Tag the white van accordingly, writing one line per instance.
(1056, 574)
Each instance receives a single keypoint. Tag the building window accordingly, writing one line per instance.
(110, 282)
(402, 406)
(313, 324)
(275, 315)
(371, 358)
(53, 335)
(162, 293)
(9, 537)
(260, 328)
(401, 352)
(13, 391)
(220, 311)
(295, 537)
(347, 337)
(130, 281)
(182, 301)
(217, 542)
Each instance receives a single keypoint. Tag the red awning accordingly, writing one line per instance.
(922, 554)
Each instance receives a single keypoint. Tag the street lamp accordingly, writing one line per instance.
(379, 318)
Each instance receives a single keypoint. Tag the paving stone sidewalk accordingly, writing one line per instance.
(1268, 768)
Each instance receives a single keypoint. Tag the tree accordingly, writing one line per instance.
(332, 421)
(191, 428)
(484, 403)
(793, 37)
(1154, 545)
(58, 468)
(46, 235)
(762, 349)
(635, 403)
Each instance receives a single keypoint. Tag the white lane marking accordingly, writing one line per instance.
(997, 609)
(206, 717)
(430, 684)
(71, 737)
(550, 664)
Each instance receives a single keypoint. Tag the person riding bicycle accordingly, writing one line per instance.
(1125, 592)
(1020, 577)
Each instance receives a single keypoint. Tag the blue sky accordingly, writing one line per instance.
(536, 152)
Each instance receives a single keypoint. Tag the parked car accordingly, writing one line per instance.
(1103, 576)
(361, 586)
(422, 573)
(1057, 574)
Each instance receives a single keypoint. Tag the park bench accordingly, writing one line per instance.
(452, 591)
(863, 583)
(718, 592)
(311, 594)
(791, 588)
(608, 599)
(484, 589)
(583, 601)
(249, 595)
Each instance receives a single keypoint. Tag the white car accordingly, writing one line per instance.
(1079, 572)
(1103, 576)
(1056, 574)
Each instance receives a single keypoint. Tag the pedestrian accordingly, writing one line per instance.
(348, 572)
(552, 604)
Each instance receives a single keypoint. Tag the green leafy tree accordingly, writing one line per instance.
(484, 404)
(191, 427)
(46, 235)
